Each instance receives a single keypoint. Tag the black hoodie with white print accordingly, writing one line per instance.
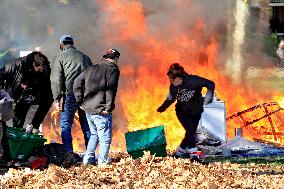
(188, 95)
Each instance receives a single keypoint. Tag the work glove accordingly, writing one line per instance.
(208, 98)
(161, 109)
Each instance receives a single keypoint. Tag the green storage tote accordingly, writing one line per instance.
(21, 144)
(151, 139)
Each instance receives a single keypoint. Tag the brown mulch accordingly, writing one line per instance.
(149, 172)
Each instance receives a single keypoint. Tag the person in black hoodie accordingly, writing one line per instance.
(95, 91)
(26, 80)
(186, 89)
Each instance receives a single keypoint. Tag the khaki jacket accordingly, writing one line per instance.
(65, 68)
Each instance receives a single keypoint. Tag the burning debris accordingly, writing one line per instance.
(267, 113)
(253, 118)
(240, 146)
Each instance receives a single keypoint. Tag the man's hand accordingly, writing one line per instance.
(58, 105)
(104, 112)
(23, 86)
(161, 109)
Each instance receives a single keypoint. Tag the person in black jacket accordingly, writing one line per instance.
(95, 91)
(186, 89)
(27, 81)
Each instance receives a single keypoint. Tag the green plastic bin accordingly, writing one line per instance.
(151, 139)
(21, 144)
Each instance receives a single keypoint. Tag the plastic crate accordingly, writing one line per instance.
(21, 144)
(151, 139)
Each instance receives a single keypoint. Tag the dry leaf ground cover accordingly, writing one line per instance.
(150, 172)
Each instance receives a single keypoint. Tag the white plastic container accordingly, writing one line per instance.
(214, 119)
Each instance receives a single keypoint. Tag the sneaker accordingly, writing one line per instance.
(192, 150)
(29, 128)
(89, 161)
(180, 152)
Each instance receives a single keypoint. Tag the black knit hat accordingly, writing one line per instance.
(112, 54)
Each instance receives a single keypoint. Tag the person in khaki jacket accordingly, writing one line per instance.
(65, 68)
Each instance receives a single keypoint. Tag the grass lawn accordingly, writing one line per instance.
(270, 80)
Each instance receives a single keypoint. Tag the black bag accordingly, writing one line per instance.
(55, 153)
(71, 159)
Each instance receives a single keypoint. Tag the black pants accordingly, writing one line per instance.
(190, 124)
(22, 109)
(4, 142)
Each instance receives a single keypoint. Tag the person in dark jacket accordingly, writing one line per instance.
(186, 89)
(65, 68)
(95, 90)
(26, 80)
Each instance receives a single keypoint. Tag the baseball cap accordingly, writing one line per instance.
(66, 38)
(112, 54)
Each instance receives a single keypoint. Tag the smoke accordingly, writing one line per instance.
(99, 25)
(31, 23)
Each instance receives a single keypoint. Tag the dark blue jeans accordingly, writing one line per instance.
(70, 106)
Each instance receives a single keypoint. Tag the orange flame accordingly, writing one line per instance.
(51, 131)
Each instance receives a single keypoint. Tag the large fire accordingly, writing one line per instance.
(143, 85)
